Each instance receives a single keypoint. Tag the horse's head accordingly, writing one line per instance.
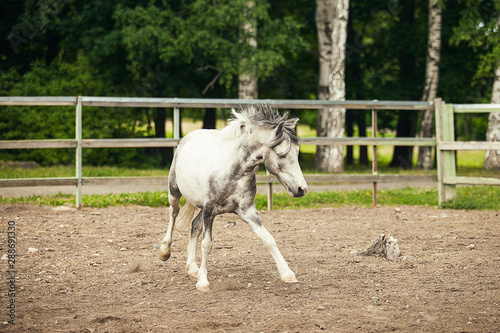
(281, 158)
(273, 142)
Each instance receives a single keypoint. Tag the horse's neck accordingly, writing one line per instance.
(248, 153)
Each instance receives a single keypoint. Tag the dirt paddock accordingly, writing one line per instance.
(97, 270)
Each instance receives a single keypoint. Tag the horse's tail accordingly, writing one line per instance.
(183, 220)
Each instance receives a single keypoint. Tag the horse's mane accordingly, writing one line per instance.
(261, 115)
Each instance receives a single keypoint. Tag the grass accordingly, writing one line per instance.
(484, 197)
(152, 199)
(477, 197)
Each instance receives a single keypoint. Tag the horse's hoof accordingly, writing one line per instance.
(290, 279)
(203, 288)
(193, 274)
(164, 256)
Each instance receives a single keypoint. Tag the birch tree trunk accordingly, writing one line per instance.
(247, 80)
(324, 17)
(492, 157)
(331, 23)
(431, 82)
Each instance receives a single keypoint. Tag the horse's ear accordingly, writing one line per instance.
(279, 128)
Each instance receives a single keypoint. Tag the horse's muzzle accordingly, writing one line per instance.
(300, 192)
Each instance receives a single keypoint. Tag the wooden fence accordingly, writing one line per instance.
(446, 147)
(445, 143)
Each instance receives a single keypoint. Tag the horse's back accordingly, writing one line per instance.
(198, 146)
(200, 155)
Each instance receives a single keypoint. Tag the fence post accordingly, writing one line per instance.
(445, 131)
(78, 159)
(177, 124)
(374, 160)
(269, 194)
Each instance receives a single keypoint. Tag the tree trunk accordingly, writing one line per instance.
(331, 16)
(355, 79)
(160, 132)
(248, 86)
(324, 17)
(349, 126)
(492, 157)
(431, 83)
(160, 120)
(363, 150)
(210, 119)
(403, 155)
(247, 80)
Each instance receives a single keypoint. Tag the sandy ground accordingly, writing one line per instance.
(97, 270)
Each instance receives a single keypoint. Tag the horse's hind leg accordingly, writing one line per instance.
(251, 216)
(196, 226)
(165, 247)
(206, 248)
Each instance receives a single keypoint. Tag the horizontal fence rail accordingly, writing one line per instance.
(89, 143)
(131, 143)
(260, 179)
(475, 108)
(443, 144)
(234, 103)
(34, 101)
(366, 141)
(470, 145)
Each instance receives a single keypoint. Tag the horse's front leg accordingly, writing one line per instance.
(251, 216)
(166, 244)
(206, 248)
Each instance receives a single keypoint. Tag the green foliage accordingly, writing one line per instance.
(62, 78)
(470, 127)
(193, 48)
(478, 29)
(201, 35)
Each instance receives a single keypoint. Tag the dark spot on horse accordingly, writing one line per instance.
(222, 188)
(208, 217)
(172, 184)
(247, 197)
(245, 152)
(252, 189)
(235, 171)
(196, 224)
(213, 185)
(247, 149)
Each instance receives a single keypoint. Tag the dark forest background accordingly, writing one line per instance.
(191, 49)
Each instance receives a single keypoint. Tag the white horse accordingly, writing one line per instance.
(215, 171)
